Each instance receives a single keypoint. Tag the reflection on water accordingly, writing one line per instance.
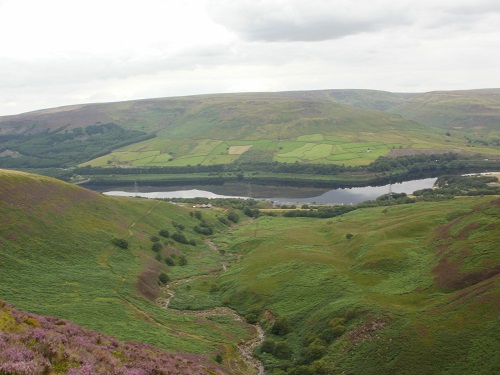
(360, 194)
(192, 193)
(336, 196)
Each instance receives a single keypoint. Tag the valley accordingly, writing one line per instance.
(396, 284)
(376, 289)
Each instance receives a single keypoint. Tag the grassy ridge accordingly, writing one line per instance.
(57, 258)
(284, 129)
(473, 112)
(411, 290)
(351, 127)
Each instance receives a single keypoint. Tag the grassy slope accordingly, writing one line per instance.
(279, 127)
(473, 111)
(329, 126)
(35, 344)
(417, 285)
(56, 258)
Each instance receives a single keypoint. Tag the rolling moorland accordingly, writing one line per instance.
(267, 138)
(79, 255)
(391, 288)
(400, 285)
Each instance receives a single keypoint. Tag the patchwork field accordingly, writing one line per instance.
(362, 149)
(350, 127)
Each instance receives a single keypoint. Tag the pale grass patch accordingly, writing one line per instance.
(238, 150)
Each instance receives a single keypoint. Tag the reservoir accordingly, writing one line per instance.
(283, 194)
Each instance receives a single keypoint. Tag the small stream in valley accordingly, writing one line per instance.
(245, 348)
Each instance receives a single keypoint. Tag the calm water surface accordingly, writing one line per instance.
(335, 196)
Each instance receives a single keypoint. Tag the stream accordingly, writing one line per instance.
(245, 347)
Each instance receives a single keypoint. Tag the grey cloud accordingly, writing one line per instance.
(269, 29)
(314, 20)
(74, 69)
(472, 8)
(320, 20)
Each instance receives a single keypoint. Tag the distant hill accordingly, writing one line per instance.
(476, 112)
(350, 127)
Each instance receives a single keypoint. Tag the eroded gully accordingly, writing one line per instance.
(245, 348)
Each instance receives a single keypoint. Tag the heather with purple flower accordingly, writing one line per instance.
(32, 344)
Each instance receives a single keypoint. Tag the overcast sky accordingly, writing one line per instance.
(60, 52)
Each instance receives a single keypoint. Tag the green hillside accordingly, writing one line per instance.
(82, 256)
(349, 127)
(397, 289)
(35, 344)
(473, 112)
(410, 289)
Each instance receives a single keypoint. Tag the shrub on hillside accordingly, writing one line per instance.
(223, 220)
(120, 242)
(314, 351)
(233, 216)
(251, 212)
(169, 261)
(182, 260)
(178, 226)
(282, 350)
(280, 327)
(163, 278)
(203, 229)
(156, 247)
(179, 237)
(164, 233)
(267, 346)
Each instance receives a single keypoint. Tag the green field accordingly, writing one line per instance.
(361, 150)
(349, 127)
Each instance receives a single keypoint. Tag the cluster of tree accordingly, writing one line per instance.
(453, 185)
(171, 259)
(449, 187)
(308, 357)
(66, 147)
(279, 349)
(204, 229)
(384, 164)
(415, 163)
(181, 238)
(322, 211)
(483, 142)
(89, 170)
(177, 236)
